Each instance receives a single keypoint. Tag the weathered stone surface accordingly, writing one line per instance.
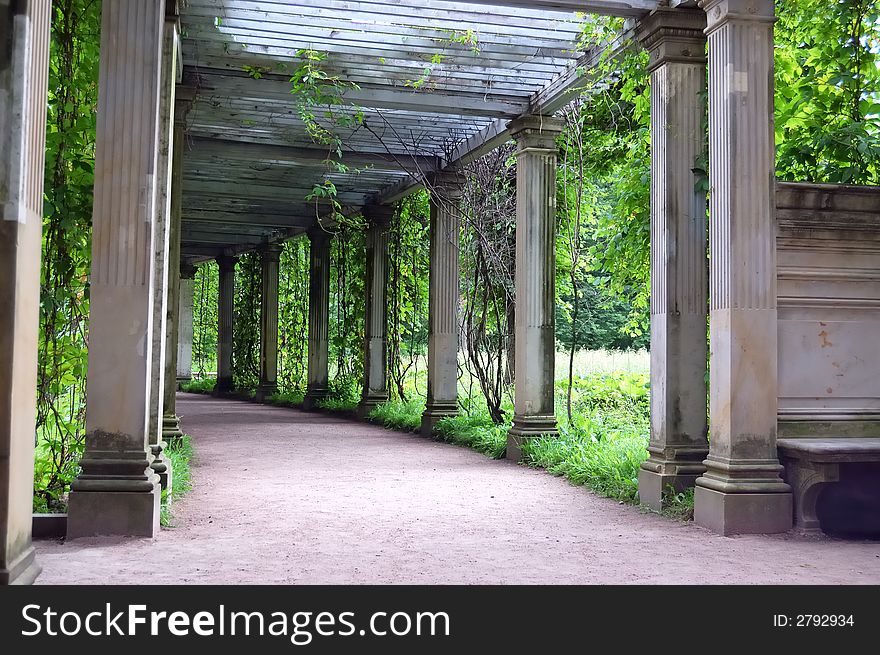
(376, 347)
(828, 245)
(443, 300)
(535, 323)
(117, 490)
(185, 324)
(679, 267)
(23, 82)
(741, 490)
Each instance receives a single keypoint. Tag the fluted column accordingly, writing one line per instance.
(117, 493)
(185, 323)
(162, 275)
(225, 313)
(170, 420)
(24, 68)
(319, 317)
(443, 300)
(376, 337)
(535, 329)
(741, 490)
(679, 267)
(270, 257)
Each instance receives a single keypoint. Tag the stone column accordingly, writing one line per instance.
(117, 493)
(24, 69)
(741, 491)
(679, 266)
(225, 311)
(535, 329)
(376, 338)
(170, 420)
(185, 323)
(162, 275)
(319, 317)
(270, 259)
(443, 300)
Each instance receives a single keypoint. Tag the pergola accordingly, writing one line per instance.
(203, 153)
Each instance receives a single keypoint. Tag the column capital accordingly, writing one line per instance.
(673, 35)
(720, 12)
(271, 251)
(536, 131)
(187, 270)
(448, 184)
(379, 214)
(318, 235)
(226, 263)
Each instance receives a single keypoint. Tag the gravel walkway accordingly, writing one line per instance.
(282, 496)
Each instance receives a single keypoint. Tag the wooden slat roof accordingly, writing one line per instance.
(435, 80)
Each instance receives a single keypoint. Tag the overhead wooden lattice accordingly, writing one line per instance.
(431, 81)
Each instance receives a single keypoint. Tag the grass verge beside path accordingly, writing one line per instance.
(179, 453)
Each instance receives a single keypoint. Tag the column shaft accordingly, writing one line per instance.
(679, 267)
(185, 324)
(319, 317)
(376, 340)
(24, 67)
(170, 420)
(270, 259)
(443, 300)
(535, 329)
(741, 490)
(225, 311)
(117, 491)
(162, 275)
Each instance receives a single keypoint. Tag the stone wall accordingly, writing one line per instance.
(828, 248)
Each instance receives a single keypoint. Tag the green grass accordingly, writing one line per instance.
(475, 431)
(179, 453)
(607, 463)
(679, 506)
(203, 386)
(398, 415)
(342, 405)
(286, 398)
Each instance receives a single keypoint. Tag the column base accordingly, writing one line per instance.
(162, 467)
(113, 513)
(435, 413)
(23, 570)
(742, 513)
(171, 428)
(369, 402)
(654, 487)
(313, 397)
(264, 391)
(526, 428)
(223, 387)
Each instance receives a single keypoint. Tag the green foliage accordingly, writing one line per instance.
(347, 274)
(828, 91)
(246, 323)
(293, 315)
(202, 386)
(477, 431)
(400, 415)
(205, 295)
(66, 249)
(179, 453)
(286, 398)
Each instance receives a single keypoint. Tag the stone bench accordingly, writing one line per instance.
(812, 463)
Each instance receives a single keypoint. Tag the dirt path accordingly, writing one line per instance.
(282, 496)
